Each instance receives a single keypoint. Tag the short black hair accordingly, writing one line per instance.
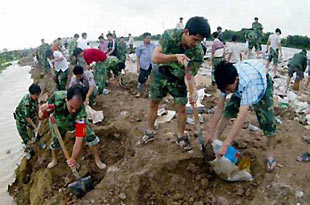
(77, 70)
(58, 39)
(215, 34)
(34, 89)
(198, 25)
(100, 37)
(181, 18)
(121, 65)
(76, 35)
(219, 28)
(255, 18)
(278, 31)
(146, 34)
(122, 37)
(234, 38)
(77, 52)
(84, 34)
(109, 34)
(78, 91)
(225, 74)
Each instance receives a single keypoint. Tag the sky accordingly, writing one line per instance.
(25, 22)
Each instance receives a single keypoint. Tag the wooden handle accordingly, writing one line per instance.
(61, 142)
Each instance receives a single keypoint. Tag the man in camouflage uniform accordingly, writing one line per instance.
(122, 50)
(104, 70)
(73, 44)
(175, 48)
(251, 87)
(26, 116)
(257, 43)
(42, 54)
(70, 114)
(298, 65)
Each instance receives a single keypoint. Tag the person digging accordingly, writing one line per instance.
(70, 113)
(251, 86)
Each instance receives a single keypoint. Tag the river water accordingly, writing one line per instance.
(14, 83)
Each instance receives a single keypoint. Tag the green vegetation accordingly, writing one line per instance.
(292, 41)
(8, 56)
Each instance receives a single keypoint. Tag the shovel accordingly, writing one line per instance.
(37, 137)
(195, 113)
(82, 185)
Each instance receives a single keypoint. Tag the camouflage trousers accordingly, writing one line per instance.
(263, 109)
(215, 62)
(161, 86)
(91, 138)
(257, 44)
(25, 132)
(61, 79)
(273, 55)
(101, 76)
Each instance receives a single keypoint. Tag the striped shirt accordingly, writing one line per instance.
(252, 82)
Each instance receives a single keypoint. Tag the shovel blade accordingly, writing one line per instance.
(80, 187)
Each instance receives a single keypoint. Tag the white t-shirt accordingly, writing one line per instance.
(180, 25)
(130, 40)
(60, 65)
(274, 39)
(83, 44)
(235, 50)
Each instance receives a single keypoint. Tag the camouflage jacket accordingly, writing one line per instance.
(299, 60)
(258, 28)
(72, 45)
(122, 50)
(26, 108)
(64, 119)
(42, 53)
(170, 42)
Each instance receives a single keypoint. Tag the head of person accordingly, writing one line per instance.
(110, 36)
(101, 38)
(304, 52)
(42, 41)
(34, 91)
(78, 71)
(122, 39)
(129, 34)
(215, 34)
(256, 19)
(181, 19)
(196, 29)
(147, 38)
(120, 65)
(76, 36)
(78, 52)
(84, 35)
(234, 38)
(278, 31)
(75, 98)
(226, 77)
(219, 29)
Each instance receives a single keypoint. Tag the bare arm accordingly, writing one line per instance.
(77, 148)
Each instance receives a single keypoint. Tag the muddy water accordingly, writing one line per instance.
(14, 83)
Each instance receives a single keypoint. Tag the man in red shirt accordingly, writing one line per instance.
(95, 55)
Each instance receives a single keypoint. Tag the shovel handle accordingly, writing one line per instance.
(75, 173)
(61, 142)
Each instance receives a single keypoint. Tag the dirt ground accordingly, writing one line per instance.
(159, 173)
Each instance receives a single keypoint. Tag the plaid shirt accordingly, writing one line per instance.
(252, 82)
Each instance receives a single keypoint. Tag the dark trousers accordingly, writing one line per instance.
(144, 74)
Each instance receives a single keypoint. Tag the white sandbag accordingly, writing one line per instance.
(93, 115)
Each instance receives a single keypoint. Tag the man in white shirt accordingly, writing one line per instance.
(130, 43)
(60, 69)
(83, 43)
(235, 51)
(180, 24)
(274, 42)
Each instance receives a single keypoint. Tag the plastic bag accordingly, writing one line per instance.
(95, 116)
(227, 170)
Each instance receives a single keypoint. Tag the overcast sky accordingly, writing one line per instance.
(25, 22)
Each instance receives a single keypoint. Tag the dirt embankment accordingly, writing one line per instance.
(159, 173)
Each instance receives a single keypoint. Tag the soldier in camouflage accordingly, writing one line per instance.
(251, 87)
(175, 48)
(122, 50)
(42, 55)
(73, 44)
(255, 37)
(69, 110)
(26, 116)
